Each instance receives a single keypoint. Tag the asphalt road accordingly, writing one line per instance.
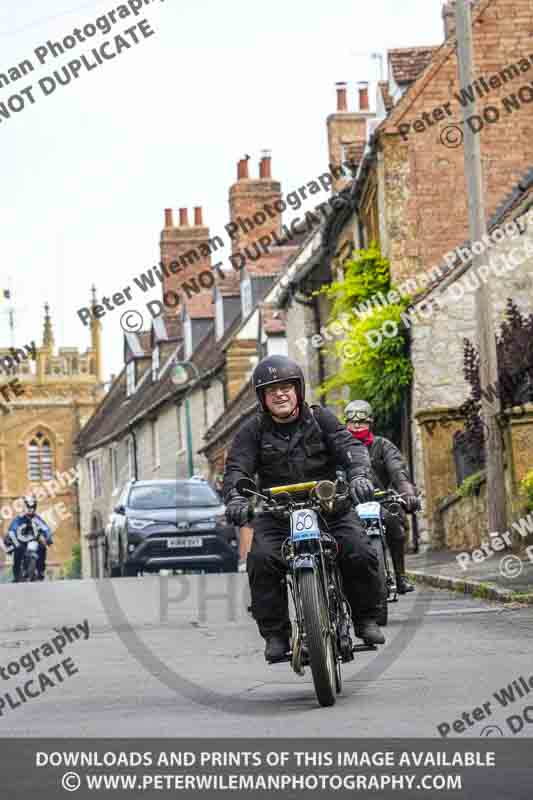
(181, 657)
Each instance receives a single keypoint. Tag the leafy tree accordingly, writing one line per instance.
(74, 566)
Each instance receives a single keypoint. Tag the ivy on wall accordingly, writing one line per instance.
(381, 374)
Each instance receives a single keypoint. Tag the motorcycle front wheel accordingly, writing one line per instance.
(383, 608)
(319, 641)
(30, 568)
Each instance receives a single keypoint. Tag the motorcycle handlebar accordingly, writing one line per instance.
(313, 502)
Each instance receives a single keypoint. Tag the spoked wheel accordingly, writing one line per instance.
(319, 641)
(383, 608)
(30, 569)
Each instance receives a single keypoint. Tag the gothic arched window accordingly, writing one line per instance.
(40, 467)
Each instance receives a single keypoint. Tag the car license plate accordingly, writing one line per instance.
(185, 541)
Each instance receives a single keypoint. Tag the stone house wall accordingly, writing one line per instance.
(437, 357)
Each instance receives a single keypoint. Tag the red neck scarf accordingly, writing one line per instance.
(365, 435)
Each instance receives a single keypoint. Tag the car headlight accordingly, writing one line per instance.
(139, 524)
(204, 523)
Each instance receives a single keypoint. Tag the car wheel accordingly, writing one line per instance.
(115, 570)
(107, 566)
(126, 570)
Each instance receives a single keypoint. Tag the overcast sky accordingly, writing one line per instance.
(88, 170)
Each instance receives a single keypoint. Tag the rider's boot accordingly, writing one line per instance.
(398, 559)
(277, 647)
(369, 631)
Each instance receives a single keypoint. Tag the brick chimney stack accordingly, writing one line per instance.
(346, 130)
(342, 100)
(363, 96)
(187, 248)
(247, 200)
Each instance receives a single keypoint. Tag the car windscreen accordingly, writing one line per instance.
(172, 495)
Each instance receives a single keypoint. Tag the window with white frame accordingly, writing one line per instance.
(155, 363)
(130, 378)
(154, 436)
(95, 477)
(113, 466)
(246, 296)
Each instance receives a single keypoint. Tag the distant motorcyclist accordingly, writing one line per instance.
(288, 442)
(21, 531)
(388, 470)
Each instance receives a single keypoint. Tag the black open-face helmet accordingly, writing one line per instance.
(278, 369)
(359, 411)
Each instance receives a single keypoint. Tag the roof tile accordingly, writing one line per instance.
(406, 63)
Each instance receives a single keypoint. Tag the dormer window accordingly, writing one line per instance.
(246, 296)
(155, 363)
(219, 315)
(130, 378)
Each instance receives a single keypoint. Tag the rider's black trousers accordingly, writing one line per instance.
(396, 537)
(266, 571)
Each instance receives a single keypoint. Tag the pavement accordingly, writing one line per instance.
(503, 576)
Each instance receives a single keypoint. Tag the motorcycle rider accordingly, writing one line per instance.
(287, 442)
(16, 546)
(389, 470)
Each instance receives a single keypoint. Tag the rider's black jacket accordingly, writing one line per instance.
(312, 451)
(388, 465)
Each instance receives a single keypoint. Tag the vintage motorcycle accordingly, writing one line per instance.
(32, 538)
(371, 516)
(322, 628)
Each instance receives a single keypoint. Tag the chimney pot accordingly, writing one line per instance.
(169, 223)
(363, 96)
(265, 165)
(342, 103)
(184, 218)
(242, 169)
(198, 215)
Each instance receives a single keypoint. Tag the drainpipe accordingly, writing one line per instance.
(320, 356)
(407, 419)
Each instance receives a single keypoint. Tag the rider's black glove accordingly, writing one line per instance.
(411, 499)
(412, 503)
(238, 510)
(361, 490)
